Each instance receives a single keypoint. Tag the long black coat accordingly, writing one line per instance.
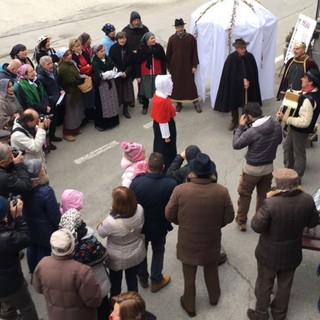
(125, 63)
(231, 92)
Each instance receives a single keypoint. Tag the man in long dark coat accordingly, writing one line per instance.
(182, 61)
(239, 82)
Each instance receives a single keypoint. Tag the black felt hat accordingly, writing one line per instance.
(179, 22)
(202, 165)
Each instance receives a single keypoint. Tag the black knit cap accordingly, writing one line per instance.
(134, 15)
(191, 152)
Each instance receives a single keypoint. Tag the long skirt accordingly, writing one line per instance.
(168, 150)
(107, 106)
(125, 90)
(73, 113)
(147, 87)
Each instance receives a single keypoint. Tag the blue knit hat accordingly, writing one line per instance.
(108, 27)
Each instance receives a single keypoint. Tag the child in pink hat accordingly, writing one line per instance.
(133, 161)
(71, 199)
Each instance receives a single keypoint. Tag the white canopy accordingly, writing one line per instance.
(217, 24)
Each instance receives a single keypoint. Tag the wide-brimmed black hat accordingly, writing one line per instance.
(240, 43)
(314, 76)
(179, 22)
(202, 165)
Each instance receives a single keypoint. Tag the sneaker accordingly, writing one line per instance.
(179, 106)
(69, 138)
(242, 227)
(156, 287)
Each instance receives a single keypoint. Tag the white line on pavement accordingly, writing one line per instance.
(96, 152)
(148, 125)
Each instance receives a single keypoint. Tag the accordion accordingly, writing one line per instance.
(288, 107)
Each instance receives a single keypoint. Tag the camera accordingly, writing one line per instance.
(42, 117)
(14, 199)
(15, 151)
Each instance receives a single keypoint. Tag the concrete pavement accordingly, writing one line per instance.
(97, 176)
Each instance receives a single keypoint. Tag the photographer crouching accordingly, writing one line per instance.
(14, 236)
(29, 133)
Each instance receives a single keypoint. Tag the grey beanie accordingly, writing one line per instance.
(34, 167)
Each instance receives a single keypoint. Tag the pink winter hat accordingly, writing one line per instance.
(133, 151)
(71, 199)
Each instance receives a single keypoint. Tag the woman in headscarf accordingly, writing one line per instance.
(70, 79)
(122, 56)
(19, 51)
(43, 49)
(151, 61)
(10, 107)
(164, 127)
(86, 40)
(109, 38)
(107, 104)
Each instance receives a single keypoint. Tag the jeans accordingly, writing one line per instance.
(246, 186)
(158, 248)
(20, 300)
(34, 254)
(116, 279)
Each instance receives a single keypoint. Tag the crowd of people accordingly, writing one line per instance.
(80, 277)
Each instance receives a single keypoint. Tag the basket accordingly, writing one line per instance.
(86, 86)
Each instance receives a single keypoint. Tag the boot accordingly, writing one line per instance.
(179, 106)
(197, 106)
(125, 111)
(234, 120)
(145, 105)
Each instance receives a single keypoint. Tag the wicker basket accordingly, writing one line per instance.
(86, 86)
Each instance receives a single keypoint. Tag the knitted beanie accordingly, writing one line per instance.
(133, 151)
(62, 243)
(134, 15)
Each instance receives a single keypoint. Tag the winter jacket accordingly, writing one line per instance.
(70, 288)
(15, 181)
(153, 191)
(32, 145)
(42, 213)
(126, 249)
(262, 140)
(50, 82)
(13, 238)
(201, 208)
(280, 221)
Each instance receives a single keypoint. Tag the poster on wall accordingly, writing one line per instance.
(303, 32)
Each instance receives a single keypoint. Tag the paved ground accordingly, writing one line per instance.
(97, 174)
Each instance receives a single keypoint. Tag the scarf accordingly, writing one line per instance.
(33, 92)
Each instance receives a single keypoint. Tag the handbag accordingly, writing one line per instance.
(86, 86)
